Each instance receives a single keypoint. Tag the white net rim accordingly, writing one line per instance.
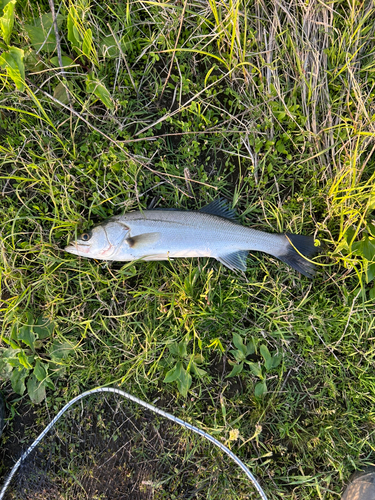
(150, 407)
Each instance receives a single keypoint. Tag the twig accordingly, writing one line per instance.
(174, 50)
(58, 46)
(59, 55)
(48, 34)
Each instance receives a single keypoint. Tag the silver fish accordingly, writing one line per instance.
(213, 231)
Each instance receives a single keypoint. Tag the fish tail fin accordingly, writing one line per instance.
(305, 246)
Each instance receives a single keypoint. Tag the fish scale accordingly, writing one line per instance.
(196, 232)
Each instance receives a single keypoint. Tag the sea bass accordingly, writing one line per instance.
(213, 231)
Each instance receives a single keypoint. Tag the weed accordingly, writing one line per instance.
(27, 358)
(259, 370)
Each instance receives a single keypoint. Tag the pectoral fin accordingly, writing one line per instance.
(235, 260)
(142, 240)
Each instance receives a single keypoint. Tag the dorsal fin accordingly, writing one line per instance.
(221, 208)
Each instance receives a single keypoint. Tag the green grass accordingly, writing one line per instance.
(271, 105)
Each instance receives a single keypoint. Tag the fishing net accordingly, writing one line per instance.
(106, 446)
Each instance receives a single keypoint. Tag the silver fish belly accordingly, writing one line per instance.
(210, 232)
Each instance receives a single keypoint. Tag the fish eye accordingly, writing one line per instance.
(85, 236)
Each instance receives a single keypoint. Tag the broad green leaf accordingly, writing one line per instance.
(280, 147)
(14, 361)
(3, 4)
(7, 21)
(276, 360)
(239, 355)
(48, 383)
(236, 370)
(12, 61)
(17, 380)
(36, 390)
(370, 271)
(27, 336)
(266, 356)
(25, 360)
(40, 370)
(44, 327)
(61, 94)
(368, 248)
(98, 89)
(173, 349)
(39, 39)
(66, 61)
(349, 235)
(260, 389)
(102, 93)
(198, 359)
(198, 371)
(32, 61)
(173, 374)
(28, 318)
(14, 332)
(6, 358)
(74, 36)
(87, 43)
(184, 382)
(42, 34)
(238, 342)
(357, 248)
(182, 349)
(18, 56)
(60, 350)
(250, 347)
(364, 248)
(256, 369)
(109, 47)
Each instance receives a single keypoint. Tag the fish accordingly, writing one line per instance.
(213, 231)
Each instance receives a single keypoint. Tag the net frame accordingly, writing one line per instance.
(146, 405)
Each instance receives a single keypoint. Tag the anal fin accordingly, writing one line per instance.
(235, 260)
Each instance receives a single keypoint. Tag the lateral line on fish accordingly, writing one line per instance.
(158, 221)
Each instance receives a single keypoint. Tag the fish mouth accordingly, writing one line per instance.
(76, 249)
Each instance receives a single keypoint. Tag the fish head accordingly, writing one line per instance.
(101, 242)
